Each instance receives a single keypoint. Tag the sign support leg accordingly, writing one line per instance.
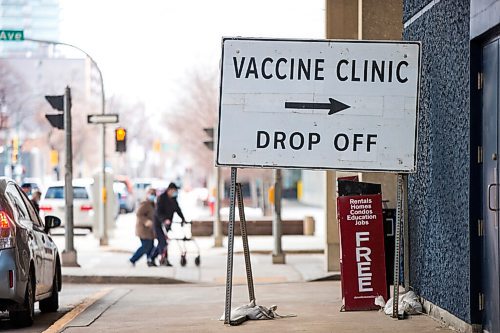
(397, 245)
(406, 235)
(244, 237)
(230, 248)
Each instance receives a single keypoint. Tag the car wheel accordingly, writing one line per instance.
(51, 304)
(25, 317)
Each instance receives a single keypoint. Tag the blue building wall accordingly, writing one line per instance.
(439, 194)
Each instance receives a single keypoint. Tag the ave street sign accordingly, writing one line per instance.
(12, 35)
(319, 104)
(102, 118)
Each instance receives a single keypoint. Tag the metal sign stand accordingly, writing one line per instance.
(400, 213)
(236, 193)
(244, 237)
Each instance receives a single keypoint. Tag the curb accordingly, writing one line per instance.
(305, 251)
(310, 251)
(113, 279)
(330, 277)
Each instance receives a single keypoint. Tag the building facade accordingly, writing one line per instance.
(39, 19)
(454, 196)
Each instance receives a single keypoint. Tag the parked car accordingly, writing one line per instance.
(126, 194)
(53, 202)
(126, 200)
(140, 187)
(29, 185)
(30, 267)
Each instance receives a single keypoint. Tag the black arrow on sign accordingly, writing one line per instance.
(334, 106)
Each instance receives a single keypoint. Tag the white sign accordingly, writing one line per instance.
(102, 118)
(318, 104)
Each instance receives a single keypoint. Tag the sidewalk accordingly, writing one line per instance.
(197, 308)
(109, 264)
(196, 300)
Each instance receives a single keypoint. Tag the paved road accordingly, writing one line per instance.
(71, 296)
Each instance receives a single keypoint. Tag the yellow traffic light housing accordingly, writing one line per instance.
(120, 140)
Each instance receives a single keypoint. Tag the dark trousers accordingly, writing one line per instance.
(144, 249)
(161, 247)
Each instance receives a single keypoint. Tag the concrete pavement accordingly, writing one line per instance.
(197, 308)
(191, 298)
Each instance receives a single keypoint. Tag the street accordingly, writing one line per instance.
(71, 296)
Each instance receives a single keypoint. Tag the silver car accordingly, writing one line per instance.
(30, 268)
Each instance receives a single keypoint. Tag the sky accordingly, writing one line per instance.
(146, 48)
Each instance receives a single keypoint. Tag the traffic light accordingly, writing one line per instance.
(157, 146)
(56, 119)
(209, 143)
(120, 140)
(15, 150)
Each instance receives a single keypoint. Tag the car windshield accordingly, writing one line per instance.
(119, 187)
(142, 186)
(57, 192)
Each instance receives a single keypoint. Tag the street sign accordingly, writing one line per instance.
(12, 35)
(318, 104)
(102, 118)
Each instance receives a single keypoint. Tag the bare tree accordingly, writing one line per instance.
(196, 110)
(12, 104)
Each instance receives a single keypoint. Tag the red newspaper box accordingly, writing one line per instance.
(362, 251)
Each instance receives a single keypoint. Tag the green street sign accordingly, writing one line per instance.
(12, 35)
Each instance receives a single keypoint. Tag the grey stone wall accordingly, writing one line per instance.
(411, 7)
(439, 191)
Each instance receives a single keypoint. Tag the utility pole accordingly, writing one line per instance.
(69, 253)
(217, 225)
(218, 236)
(62, 120)
(103, 237)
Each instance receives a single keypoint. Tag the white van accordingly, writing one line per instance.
(53, 203)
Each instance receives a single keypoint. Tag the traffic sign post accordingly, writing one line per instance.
(318, 104)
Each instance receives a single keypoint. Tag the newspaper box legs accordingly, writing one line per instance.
(362, 251)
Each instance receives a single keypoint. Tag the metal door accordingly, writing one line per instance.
(490, 185)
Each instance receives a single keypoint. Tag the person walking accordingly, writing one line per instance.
(144, 228)
(35, 199)
(166, 206)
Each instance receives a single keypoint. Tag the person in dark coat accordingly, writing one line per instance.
(166, 206)
(144, 228)
(35, 199)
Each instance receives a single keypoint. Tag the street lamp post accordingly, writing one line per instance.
(103, 237)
